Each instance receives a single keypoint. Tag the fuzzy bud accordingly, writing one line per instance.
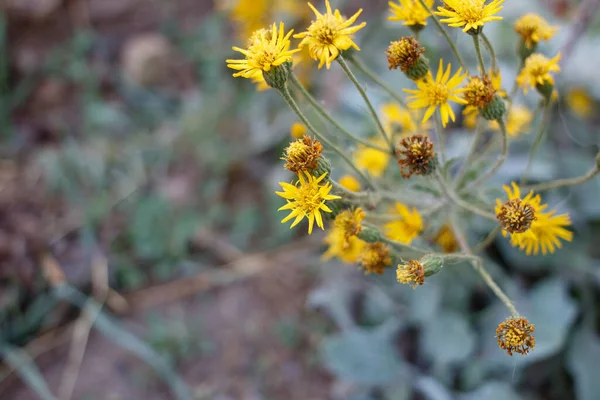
(278, 76)
(431, 264)
(494, 110)
(370, 234)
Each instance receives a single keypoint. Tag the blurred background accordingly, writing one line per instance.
(142, 257)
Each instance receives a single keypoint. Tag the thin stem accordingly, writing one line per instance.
(402, 247)
(472, 153)
(285, 93)
(363, 94)
(321, 110)
(448, 39)
(489, 239)
(453, 197)
(501, 158)
(372, 76)
(490, 48)
(478, 266)
(478, 51)
(515, 87)
(563, 182)
(537, 141)
(440, 138)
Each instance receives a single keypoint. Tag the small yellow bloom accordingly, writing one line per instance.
(516, 335)
(266, 50)
(375, 258)
(408, 225)
(545, 231)
(433, 93)
(302, 154)
(350, 183)
(349, 221)
(410, 12)
(446, 240)
(306, 199)
(479, 91)
(469, 14)
(412, 273)
(372, 160)
(329, 34)
(298, 130)
(397, 118)
(536, 71)
(580, 102)
(518, 121)
(347, 249)
(533, 29)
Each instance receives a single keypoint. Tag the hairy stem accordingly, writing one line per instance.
(440, 138)
(321, 110)
(539, 138)
(285, 93)
(472, 153)
(363, 94)
(372, 76)
(488, 240)
(454, 198)
(490, 48)
(563, 182)
(479, 56)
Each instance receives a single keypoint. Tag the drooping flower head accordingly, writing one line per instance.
(518, 120)
(410, 12)
(375, 258)
(408, 225)
(416, 156)
(544, 232)
(515, 335)
(302, 154)
(350, 183)
(306, 198)
(370, 159)
(411, 273)
(266, 49)
(533, 29)
(469, 14)
(432, 94)
(537, 71)
(329, 34)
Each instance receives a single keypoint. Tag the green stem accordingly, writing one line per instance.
(539, 138)
(478, 51)
(440, 138)
(285, 93)
(478, 266)
(500, 160)
(490, 48)
(563, 182)
(515, 87)
(401, 247)
(489, 239)
(372, 76)
(321, 110)
(363, 94)
(472, 153)
(448, 39)
(454, 198)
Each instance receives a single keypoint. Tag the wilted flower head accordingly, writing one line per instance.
(516, 216)
(416, 156)
(411, 273)
(479, 91)
(515, 335)
(375, 257)
(349, 221)
(406, 54)
(302, 154)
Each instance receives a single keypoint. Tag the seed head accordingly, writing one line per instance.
(411, 273)
(302, 154)
(375, 258)
(406, 54)
(516, 335)
(516, 216)
(416, 156)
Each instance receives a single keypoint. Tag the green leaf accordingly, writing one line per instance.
(582, 361)
(364, 356)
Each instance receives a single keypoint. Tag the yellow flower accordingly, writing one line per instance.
(373, 160)
(411, 12)
(470, 14)
(298, 130)
(533, 29)
(349, 221)
(433, 93)
(395, 117)
(306, 199)
(408, 226)
(342, 247)
(329, 34)
(350, 183)
(580, 102)
(411, 273)
(374, 258)
(536, 71)
(479, 91)
(446, 240)
(516, 335)
(261, 84)
(545, 231)
(266, 49)
(517, 121)
(302, 154)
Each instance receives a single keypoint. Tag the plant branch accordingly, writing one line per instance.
(454, 198)
(478, 51)
(490, 48)
(563, 182)
(372, 76)
(500, 159)
(539, 138)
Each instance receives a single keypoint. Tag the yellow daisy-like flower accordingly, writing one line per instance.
(329, 34)
(533, 29)
(372, 160)
(350, 221)
(408, 225)
(306, 199)
(397, 118)
(580, 102)
(347, 249)
(518, 121)
(410, 12)
(544, 233)
(469, 14)
(375, 258)
(266, 50)
(433, 93)
(350, 183)
(537, 71)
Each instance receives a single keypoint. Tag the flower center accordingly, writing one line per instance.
(309, 198)
(471, 10)
(437, 93)
(516, 216)
(325, 29)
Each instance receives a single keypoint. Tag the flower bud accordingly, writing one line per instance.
(277, 76)
(323, 167)
(431, 264)
(494, 110)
